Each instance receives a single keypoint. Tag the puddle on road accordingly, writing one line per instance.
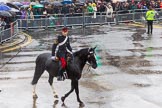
(93, 85)
(142, 85)
(140, 71)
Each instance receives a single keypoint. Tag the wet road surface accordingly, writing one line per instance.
(128, 76)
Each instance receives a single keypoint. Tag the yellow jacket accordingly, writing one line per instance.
(150, 15)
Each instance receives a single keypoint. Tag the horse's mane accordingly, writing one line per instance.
(81, 52)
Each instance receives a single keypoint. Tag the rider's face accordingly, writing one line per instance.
(64, 33)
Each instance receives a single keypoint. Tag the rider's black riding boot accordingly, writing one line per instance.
(59, 77)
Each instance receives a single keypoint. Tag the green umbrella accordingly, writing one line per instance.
(38, 6)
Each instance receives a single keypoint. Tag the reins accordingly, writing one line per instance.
(89, 67)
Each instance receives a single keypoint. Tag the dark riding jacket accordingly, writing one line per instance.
(58, 50)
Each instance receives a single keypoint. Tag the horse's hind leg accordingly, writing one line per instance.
(34, 93)
(38, 72)
(50, 80)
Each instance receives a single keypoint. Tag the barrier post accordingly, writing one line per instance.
(116, 18)
(0, 36)
(65, 20)
(83, 19)
(46, 21)
(12, 28)
(133, 15)
(1, 57)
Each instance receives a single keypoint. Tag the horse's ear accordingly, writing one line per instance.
(94, 47)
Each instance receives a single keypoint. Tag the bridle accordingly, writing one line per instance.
(91, 51)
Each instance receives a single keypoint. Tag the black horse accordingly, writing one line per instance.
(74, 70)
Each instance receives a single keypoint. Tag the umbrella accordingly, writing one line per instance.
(38, 6)
(67, 2)
(2, 3)
(12, 13)
(114, 1)
(57, 3)
(4, 7)
(79, 4)
(14, 10)
(44, 2)
(17, 4)
(5, 14)
(12, 5)
(25, 3)
(25, 6)
(82, 1)
(33, 3)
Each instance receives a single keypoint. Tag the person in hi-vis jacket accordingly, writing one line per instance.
(150, 17)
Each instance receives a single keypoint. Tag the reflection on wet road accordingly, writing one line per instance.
(129, 75)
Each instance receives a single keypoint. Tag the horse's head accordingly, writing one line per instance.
(86, 55)
(91, 57)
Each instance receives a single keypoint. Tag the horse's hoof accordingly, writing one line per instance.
(81, 104)
(55, 96)
(63, 105)
(62, 98)
(35, 96)
(56, 102)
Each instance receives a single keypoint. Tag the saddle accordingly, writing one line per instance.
(69, 58)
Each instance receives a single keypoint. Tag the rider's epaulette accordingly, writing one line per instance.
(55, 41)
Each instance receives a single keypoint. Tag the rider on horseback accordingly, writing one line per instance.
(60, 49)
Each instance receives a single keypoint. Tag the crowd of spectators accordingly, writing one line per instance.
(88, 7)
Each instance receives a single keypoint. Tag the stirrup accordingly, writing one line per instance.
(59, 78)
(65, 75)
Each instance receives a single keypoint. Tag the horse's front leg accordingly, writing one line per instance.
(51, 84)
(67, 94)
(76, 86)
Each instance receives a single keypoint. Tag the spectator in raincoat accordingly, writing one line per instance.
(2, 24)
(161, 4)
(109, 10)
(23, 13)
(30, 13)
(90, 9)
(94, 9)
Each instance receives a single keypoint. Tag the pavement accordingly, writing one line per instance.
(20, 40)
(144, 25)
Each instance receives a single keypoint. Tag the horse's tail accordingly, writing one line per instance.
(39, 69)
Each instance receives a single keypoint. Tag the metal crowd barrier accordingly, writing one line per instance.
(84, 19)
(137, 15)
(8, 33)
(5, 35)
